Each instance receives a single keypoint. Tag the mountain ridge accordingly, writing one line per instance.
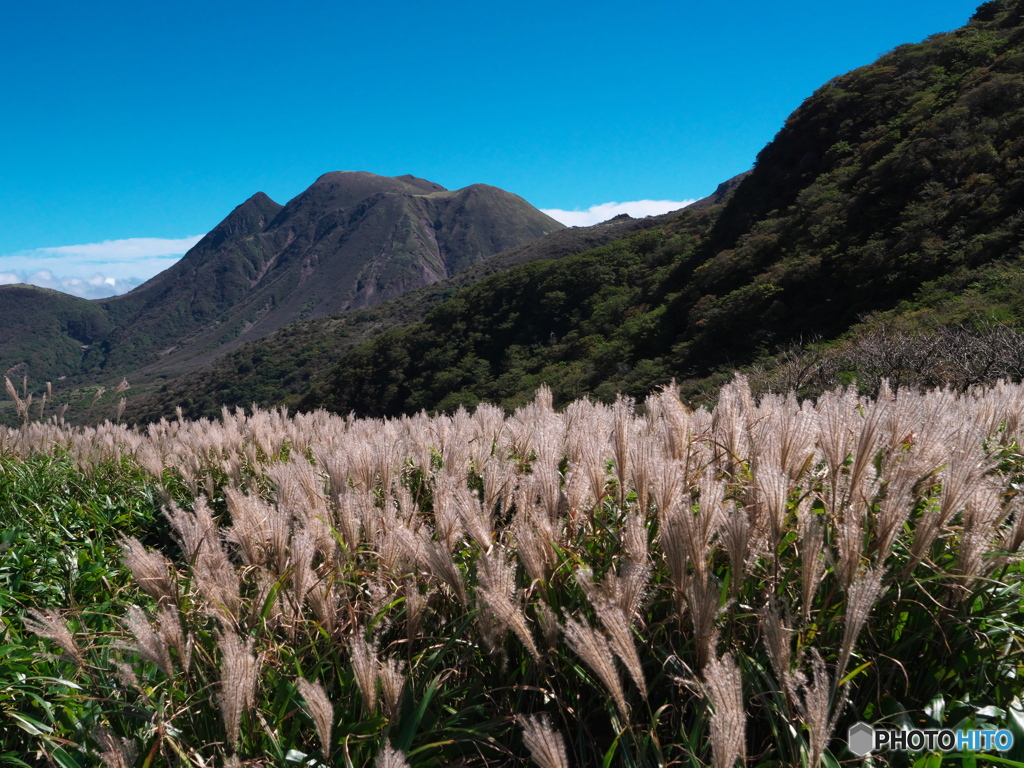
(366, 238)
(283, 364)
(351, 239)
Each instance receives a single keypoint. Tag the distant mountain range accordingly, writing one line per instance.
(352, 240)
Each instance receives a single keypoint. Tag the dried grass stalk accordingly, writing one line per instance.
(546, 746)
(778, 641)
(724, 687)
(703, 601)
(117, 753)
(151, 570)
(510, 616)
(49, 624)
(860, 598)
(814, 708)
(392, 683)
(591, 646)
(239, 674)
(320, 709)
(620, 634)
(391, 758)
(170, 632)
(365, 668)
(147, 643)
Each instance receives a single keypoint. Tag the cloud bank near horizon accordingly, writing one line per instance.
(99, 286)
(95, 270)
(595, 214)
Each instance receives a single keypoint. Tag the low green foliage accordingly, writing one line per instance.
(334, 586)
(60, 550)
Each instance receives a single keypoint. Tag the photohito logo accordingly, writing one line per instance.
(864, 739)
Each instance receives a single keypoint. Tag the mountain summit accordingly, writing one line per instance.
(351, 240)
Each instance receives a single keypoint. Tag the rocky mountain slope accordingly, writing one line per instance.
(351, 240)
(286, 363)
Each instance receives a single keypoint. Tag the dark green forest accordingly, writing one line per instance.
(894, 194)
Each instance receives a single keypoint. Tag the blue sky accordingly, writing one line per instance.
(150, 122)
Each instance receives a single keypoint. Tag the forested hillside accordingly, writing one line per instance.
(894, 193)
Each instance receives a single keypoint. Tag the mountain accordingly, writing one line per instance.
(893, 193)
(351, 240)
(884, 216)
(47, 330)
(284, 364)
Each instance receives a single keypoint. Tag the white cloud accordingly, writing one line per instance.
(94, 270)
(131, 248)
(595, 214)
(99, 286)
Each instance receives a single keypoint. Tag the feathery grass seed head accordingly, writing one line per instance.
(320, 709)
(546, 746)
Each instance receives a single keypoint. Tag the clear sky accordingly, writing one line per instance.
(151, 121)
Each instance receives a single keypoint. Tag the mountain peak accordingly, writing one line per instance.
(352, 239)
(343, 189)
(245, 220)
(364, 180)
(424, 184)
(260, 198)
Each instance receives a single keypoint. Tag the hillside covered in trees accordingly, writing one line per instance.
(894, 194)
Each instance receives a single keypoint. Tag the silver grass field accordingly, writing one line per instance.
(602, 585)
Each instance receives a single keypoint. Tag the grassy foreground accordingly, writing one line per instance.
(594, 586)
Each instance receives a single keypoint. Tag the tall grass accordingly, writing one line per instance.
(596, 586)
